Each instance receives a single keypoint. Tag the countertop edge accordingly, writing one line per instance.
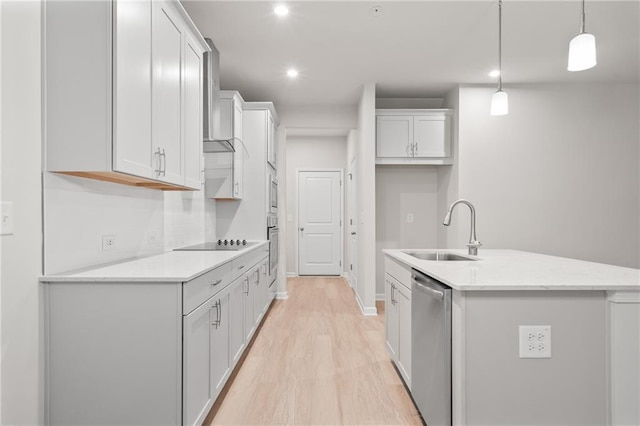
(72, 277)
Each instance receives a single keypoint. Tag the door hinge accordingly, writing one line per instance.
(351, 267)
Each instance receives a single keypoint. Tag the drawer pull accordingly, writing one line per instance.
(240, 267)
(216, 282)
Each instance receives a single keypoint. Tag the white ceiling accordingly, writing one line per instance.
(412, 49)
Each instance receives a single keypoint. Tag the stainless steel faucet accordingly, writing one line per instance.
(473, 241)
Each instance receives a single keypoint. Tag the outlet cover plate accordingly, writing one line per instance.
(535, 341)
(6, 218)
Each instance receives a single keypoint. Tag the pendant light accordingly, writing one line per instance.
(582, 49)
(500, 99)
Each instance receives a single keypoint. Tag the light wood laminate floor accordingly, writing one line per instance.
(316, 360)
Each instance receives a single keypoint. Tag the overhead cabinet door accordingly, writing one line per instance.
(394, 135)
(429, 134)
(167, 101)
(132, 86)
(192, 113)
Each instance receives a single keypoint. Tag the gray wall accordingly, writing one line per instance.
(558, 175)
(307, 152)
(20, 177)
(403, 190)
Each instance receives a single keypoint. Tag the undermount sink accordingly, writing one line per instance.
(439, 256)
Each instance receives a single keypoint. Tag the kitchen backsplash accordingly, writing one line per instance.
(79, 212)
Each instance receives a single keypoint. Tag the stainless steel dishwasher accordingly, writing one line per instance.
(431, 348)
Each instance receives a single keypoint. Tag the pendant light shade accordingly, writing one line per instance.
(582, 52)
(500, 99)
(500, 103)
(582, 49)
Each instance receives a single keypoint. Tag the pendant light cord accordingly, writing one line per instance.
(582, 22)
(500, 44)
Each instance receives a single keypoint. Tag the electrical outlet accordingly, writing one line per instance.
(6, 218)
(108, 242)
(409, 217)
(535, 341)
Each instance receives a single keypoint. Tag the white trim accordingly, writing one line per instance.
(623, 296)
(365, 311)
(380, 296)
(458, 354)
(342, 218)
(292, 274)
(282, 295)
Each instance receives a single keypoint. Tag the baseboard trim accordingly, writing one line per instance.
(380, 296)
(366, 311)
(292, 274)
(282, 295)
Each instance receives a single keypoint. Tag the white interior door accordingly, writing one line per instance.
(319, 223)
(353, 223)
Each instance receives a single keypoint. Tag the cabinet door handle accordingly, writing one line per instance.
(215, 322)
(246, 281)
(219, 311)
(216, 282)
(240, 267)
(163, 157)
(158, 161)
(415, 149)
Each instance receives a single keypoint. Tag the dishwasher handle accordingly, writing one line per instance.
(424, 284)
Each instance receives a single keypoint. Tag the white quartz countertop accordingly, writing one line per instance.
(172, 266)
(519, 270)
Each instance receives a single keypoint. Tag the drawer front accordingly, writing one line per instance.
(243, 263)
(398, 271)
(199, 289)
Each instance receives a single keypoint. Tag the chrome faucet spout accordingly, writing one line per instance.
(473, 241)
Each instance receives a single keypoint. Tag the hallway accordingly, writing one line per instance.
(316, 360)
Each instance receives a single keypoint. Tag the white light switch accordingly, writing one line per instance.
(6, 218)
(409, 217)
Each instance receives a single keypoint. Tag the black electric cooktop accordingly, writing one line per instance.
(220, 245)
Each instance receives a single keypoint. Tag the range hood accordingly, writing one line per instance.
(211, 110)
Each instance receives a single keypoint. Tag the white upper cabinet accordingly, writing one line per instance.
(193, 82)
(272, 143)
(132, 88)
(224, 171)
(123, 92)
(167, 50)
(413, 136)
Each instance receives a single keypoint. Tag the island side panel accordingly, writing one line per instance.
(114, 353)
(500, 388)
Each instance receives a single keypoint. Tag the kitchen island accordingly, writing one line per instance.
(590, 375)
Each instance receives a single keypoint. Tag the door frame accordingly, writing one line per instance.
(297, 221)
(352, 203)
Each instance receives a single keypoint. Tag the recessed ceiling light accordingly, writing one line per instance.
(494, 73)
(292, 72)
(281, 10)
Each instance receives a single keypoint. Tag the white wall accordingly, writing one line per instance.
(366, 154)
(559, 175)
(308, 152)
(78, 212)
(400, 191)
(21, 252)
(318, 117)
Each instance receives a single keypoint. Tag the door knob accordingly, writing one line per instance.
(301, 229)
(353, 233)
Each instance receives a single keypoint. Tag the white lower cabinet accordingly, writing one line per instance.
(149, 353)
(236, 320)
(398, 325)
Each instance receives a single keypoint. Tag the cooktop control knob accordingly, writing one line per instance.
(225, 242)
(244, 242)
(232, 242)
(219, 242)
(238, 242)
